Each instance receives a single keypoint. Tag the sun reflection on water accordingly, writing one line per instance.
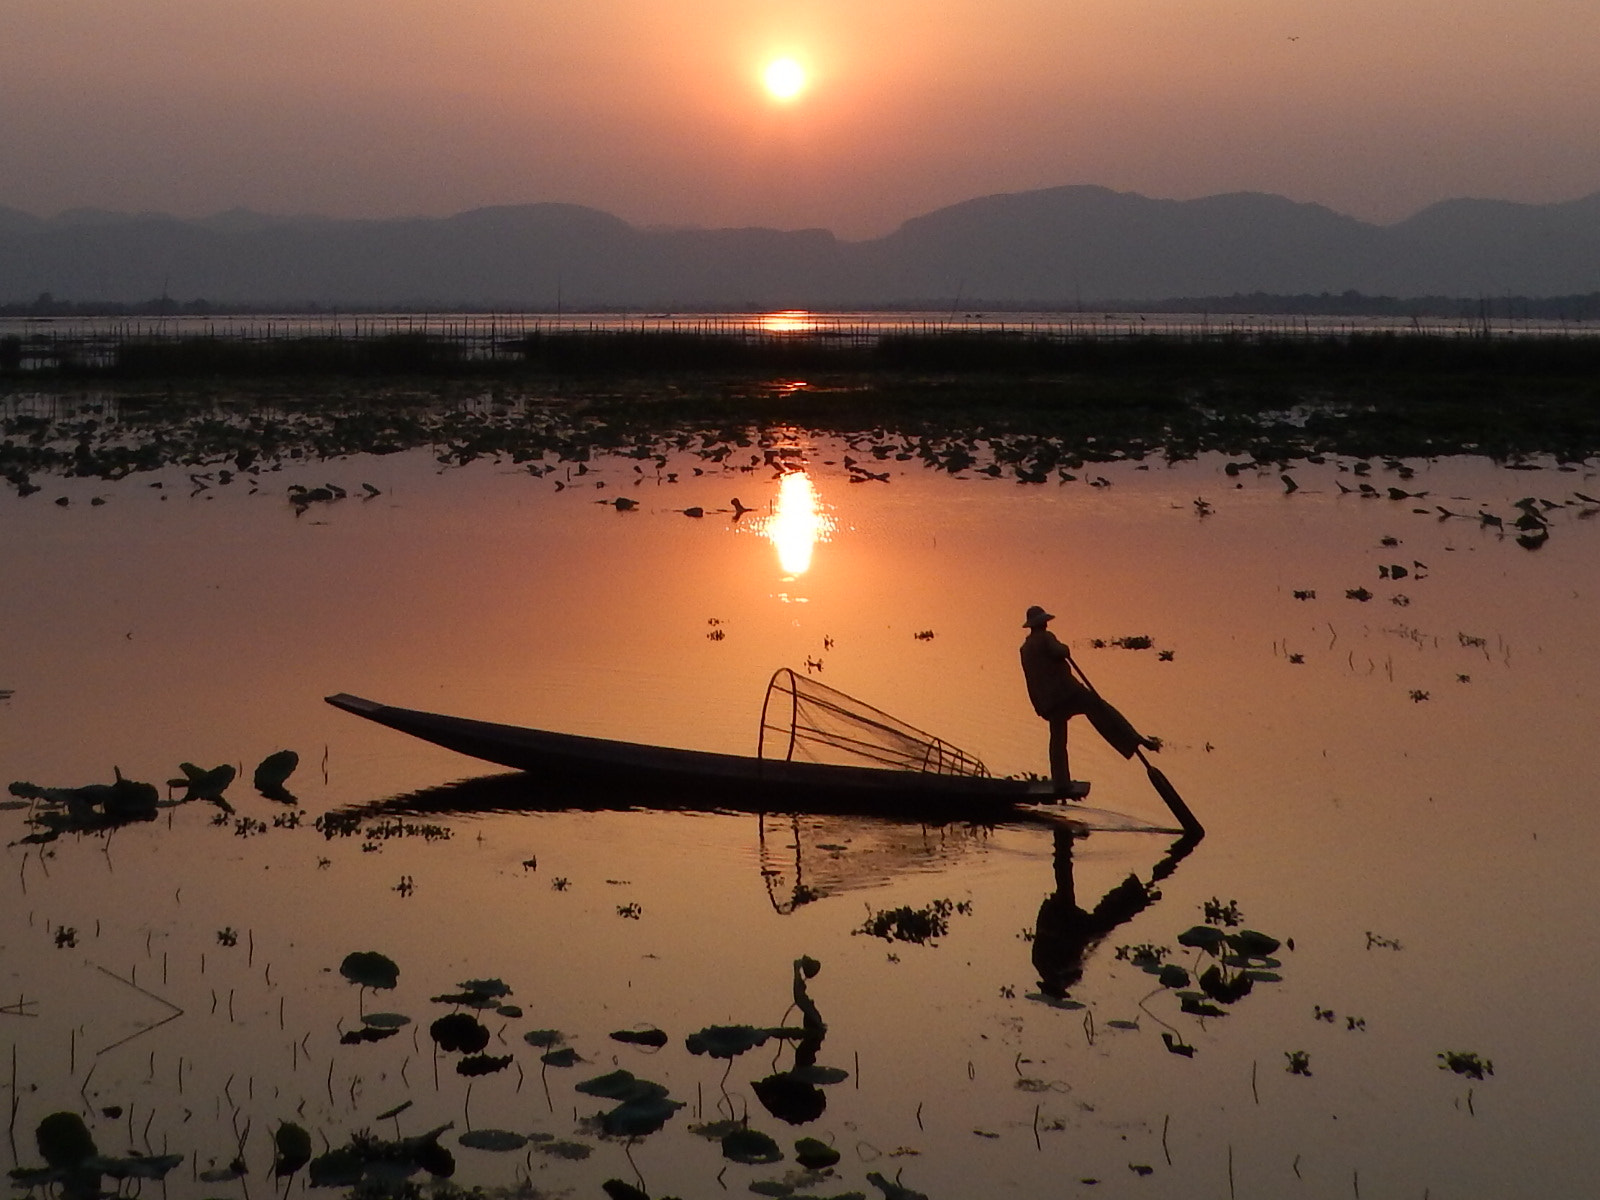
(797, 523)
(795, 320)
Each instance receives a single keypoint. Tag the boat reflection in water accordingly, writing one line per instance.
(806, 857)
(796, 524)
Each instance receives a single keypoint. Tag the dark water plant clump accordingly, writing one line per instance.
(918, 925)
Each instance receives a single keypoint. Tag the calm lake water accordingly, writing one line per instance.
(1400, 788)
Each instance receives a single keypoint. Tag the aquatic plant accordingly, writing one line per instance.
(1465, 1063)
(74, 1163)
(273, 772)
(918, 925)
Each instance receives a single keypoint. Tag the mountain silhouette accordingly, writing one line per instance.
(1054, 247)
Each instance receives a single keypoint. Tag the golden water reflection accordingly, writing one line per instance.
(795, 320)
(796, 523)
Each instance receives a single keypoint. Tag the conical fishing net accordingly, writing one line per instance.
(806, 721)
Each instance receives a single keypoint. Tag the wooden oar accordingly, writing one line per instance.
(1158, 778)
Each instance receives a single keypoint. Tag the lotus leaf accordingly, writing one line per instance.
(64, 1140)
(136, 1166)
(575, 1151)
(273, 772)
(639, 1118)
(1225, 990)
(458, 1031)
(620, 1085)
(498, 1140)
(790, 1098)
(640, 1037)
(482, 1064)
(489, 989)
(1172, 976)
(513, 1011)
(750, 1146)
(368, 1033)
(386, 1020)
(564, 1057)
(292, 1149)
(1253, 944)
(814, 1155)
(368, 968)
(1202, 937)
(618, 1190)
(820, 1075)
(1198, 1005)
(725, 1041)
(544, 1037)
(892, 1190)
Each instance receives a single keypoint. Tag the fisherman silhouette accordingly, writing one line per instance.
(1058, 696)
(1065, 932)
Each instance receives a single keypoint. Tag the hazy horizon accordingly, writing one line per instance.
(654, 111)
(685, 226)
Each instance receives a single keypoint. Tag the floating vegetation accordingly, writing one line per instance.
(88, 809)
(726, 1041)
(459, 1032)
(644, 1106)
(1299, 1062)
(291, 1146)
(273, 772)
(205, 784)
(918, 925)
(499, 1141)
(369, 969)
(1463, 1063)
(641, 1037)
(750, 1146)
(75, 1165)
(367, 1158)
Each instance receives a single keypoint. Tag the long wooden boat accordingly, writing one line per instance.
(631, 774)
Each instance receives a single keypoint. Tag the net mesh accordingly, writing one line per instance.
(803, 720)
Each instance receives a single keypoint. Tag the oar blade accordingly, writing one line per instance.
(1173, 801)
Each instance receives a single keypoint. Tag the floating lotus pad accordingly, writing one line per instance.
(750, 1146)
(498, 1140)
(726, 1041)
(368, 968)
(482, 1064)
(459, 1031)
(814, 1155)
(641, 1037)
(291, 1149)
(386, 1020)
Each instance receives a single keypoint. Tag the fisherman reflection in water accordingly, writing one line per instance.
(1065, 933)
(1057, 696)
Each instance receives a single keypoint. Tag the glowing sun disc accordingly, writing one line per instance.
(784, 78)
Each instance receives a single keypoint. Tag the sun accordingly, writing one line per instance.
(784, 78)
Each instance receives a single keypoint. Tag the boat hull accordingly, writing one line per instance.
(665, 775)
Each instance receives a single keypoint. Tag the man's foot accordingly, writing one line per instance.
(1073, 789)
(1152, 744)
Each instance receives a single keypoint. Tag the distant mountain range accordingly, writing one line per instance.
(1057, 247)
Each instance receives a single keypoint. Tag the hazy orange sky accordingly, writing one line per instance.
(654, 109)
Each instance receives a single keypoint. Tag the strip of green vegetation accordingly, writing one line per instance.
(1031, 408)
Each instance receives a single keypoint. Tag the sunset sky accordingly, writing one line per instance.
(658, 110)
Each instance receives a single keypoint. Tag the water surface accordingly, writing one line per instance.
(1399, 784)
